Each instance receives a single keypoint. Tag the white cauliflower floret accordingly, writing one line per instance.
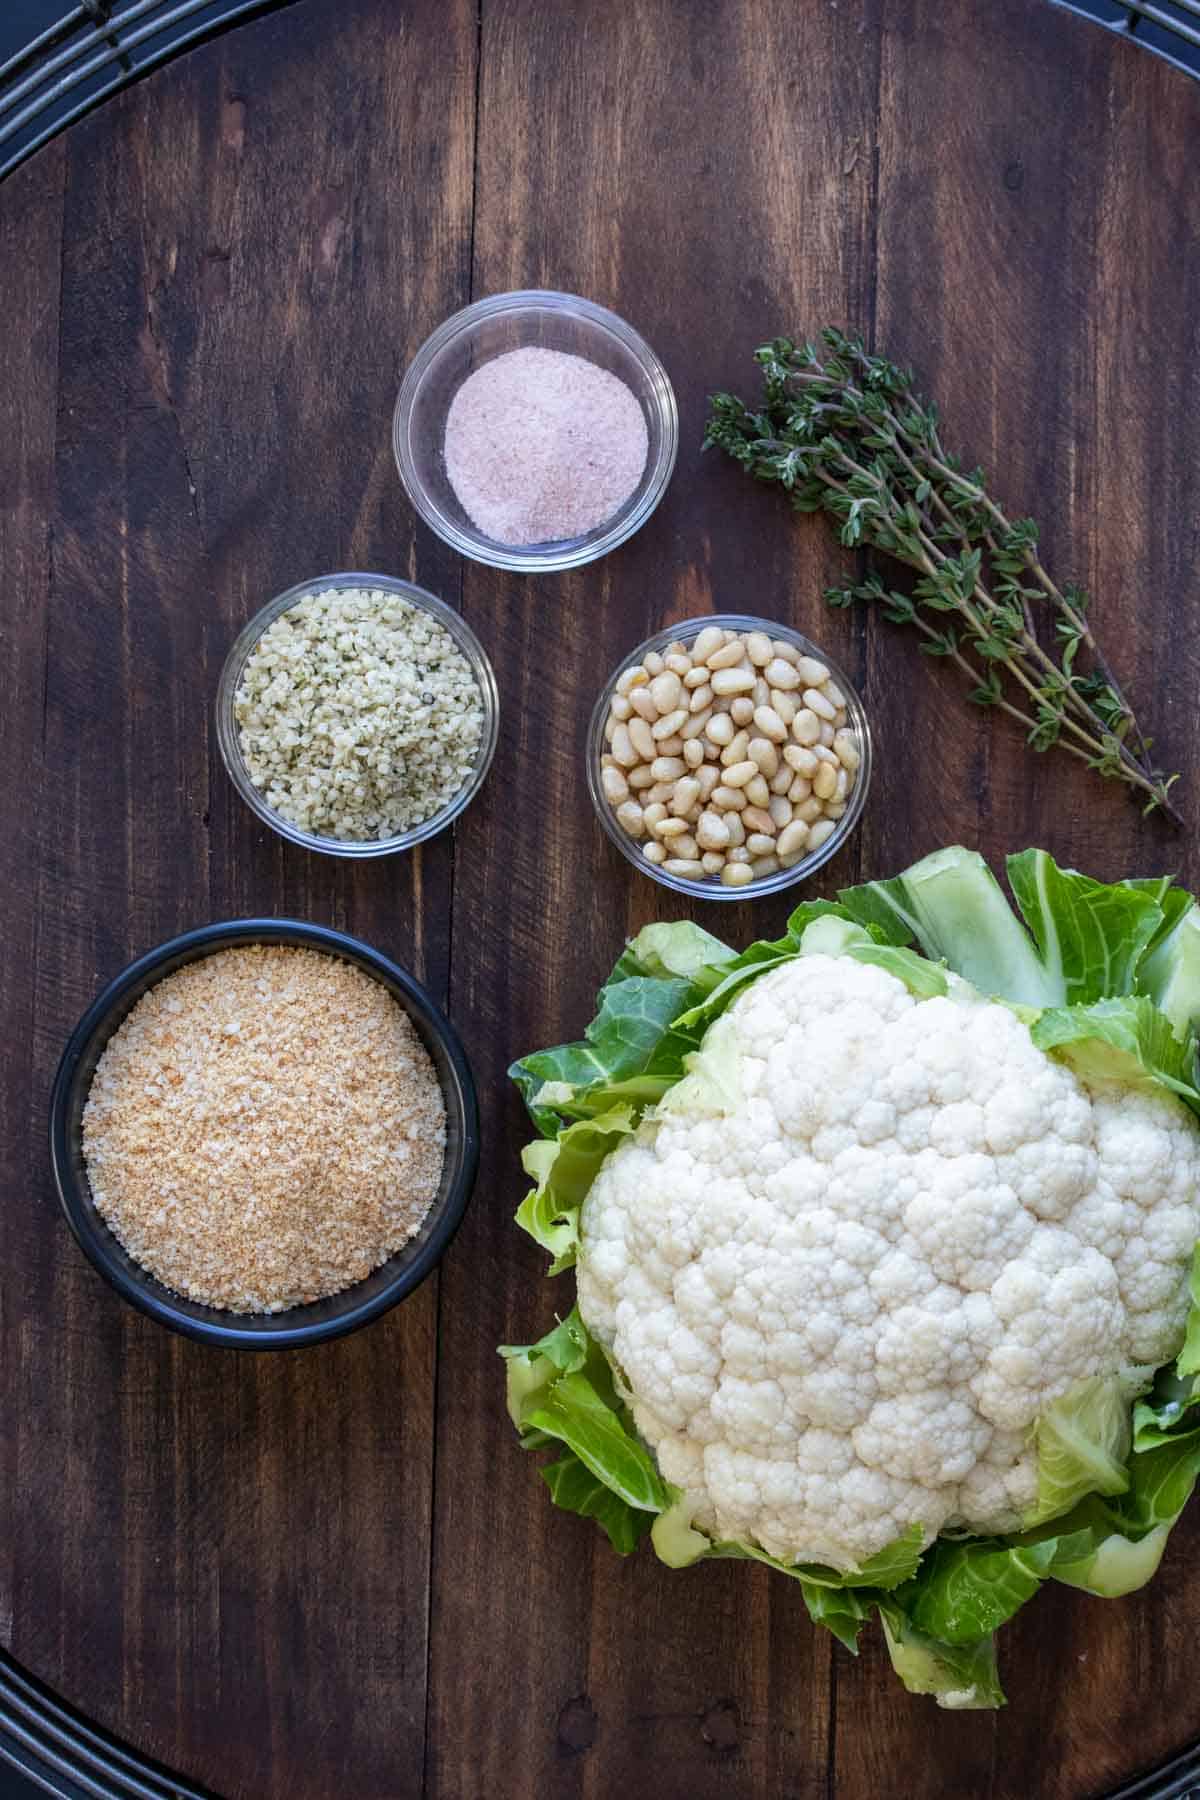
(840, 1299)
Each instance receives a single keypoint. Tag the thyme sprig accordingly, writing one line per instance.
(844, 434)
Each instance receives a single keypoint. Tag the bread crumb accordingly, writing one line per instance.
(264, 1128)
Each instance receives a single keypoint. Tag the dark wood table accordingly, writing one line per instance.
(332, 1573)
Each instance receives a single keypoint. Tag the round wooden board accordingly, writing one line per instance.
(332, 1572)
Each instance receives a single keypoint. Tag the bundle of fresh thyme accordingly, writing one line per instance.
(846, 435)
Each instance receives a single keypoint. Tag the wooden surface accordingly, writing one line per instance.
(332, 1573)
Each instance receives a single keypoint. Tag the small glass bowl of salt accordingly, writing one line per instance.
(535, 431)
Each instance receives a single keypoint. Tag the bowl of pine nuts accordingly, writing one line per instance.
(728, 757)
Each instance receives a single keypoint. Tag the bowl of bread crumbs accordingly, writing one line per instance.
(357, 715)
(264, 1133)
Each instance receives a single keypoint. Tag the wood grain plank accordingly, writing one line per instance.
(706, 171)
(225, 1558)
(30, 253)
(1033, 195)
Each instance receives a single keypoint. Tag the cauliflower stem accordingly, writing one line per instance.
(885, 1235)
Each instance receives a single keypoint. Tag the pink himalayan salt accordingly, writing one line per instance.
(541, 445)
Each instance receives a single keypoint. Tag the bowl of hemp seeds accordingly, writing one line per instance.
(357, 715)
(264, 1133)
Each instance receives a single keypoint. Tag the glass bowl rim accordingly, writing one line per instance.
(229, 746)
(525, 559)
(710, 888)
(104, 1016)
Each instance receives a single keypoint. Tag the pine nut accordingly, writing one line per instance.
(701, 697)
(687, 868)
(762, 866)
(643, 705)
(758, 648)
(812, 672)
(610, 725)
(653, 664)
(780, 809)
(739, 773)
(712, 862)
(828, 733)
(785, 705)
(806, 727)
(696, 724)
(653, 813)
(620, 708)
(672, 746)
(642, 740)
(835, 812)
(659, 794)
(737, 874)
(821, 833)
(782, 674)
(712, 832)
(687, 792)
(741, 709)
(816, 702)
(630, 819)
(738, 854)
(654, 853)
(686, 846)
(757, 791)
(666, 691)
(845, 748)
(708, 640)
(760, 845)
(695, 677)
(809, 810)
(675, 648)
(721, 730)
(803, 760)
(622, 748)
(670, 723)
(728, 799)
(727, 657)
(735, 750)
(768, 722)
(763, 753)
(640, 778)
(835, 696)
(735, 681)
(843, 786)
(737, 831)
(755, 819)
(666, 829)
(799, 790)
(678, 661)
(615, 786)
(709, 777)
(824, 782)
(668, 768)
(824, 754)
(780, 783)
(631, 678)
(792, 838)
(761, 693)
(693, 753)
(789, 652)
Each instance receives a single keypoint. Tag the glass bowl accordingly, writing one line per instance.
(229, 742)
(317, 1320)
(711, 886)
(515, 321)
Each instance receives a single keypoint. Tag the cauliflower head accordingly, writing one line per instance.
(850, 1260)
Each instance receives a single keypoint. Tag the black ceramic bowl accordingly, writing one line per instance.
(321, 1319)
